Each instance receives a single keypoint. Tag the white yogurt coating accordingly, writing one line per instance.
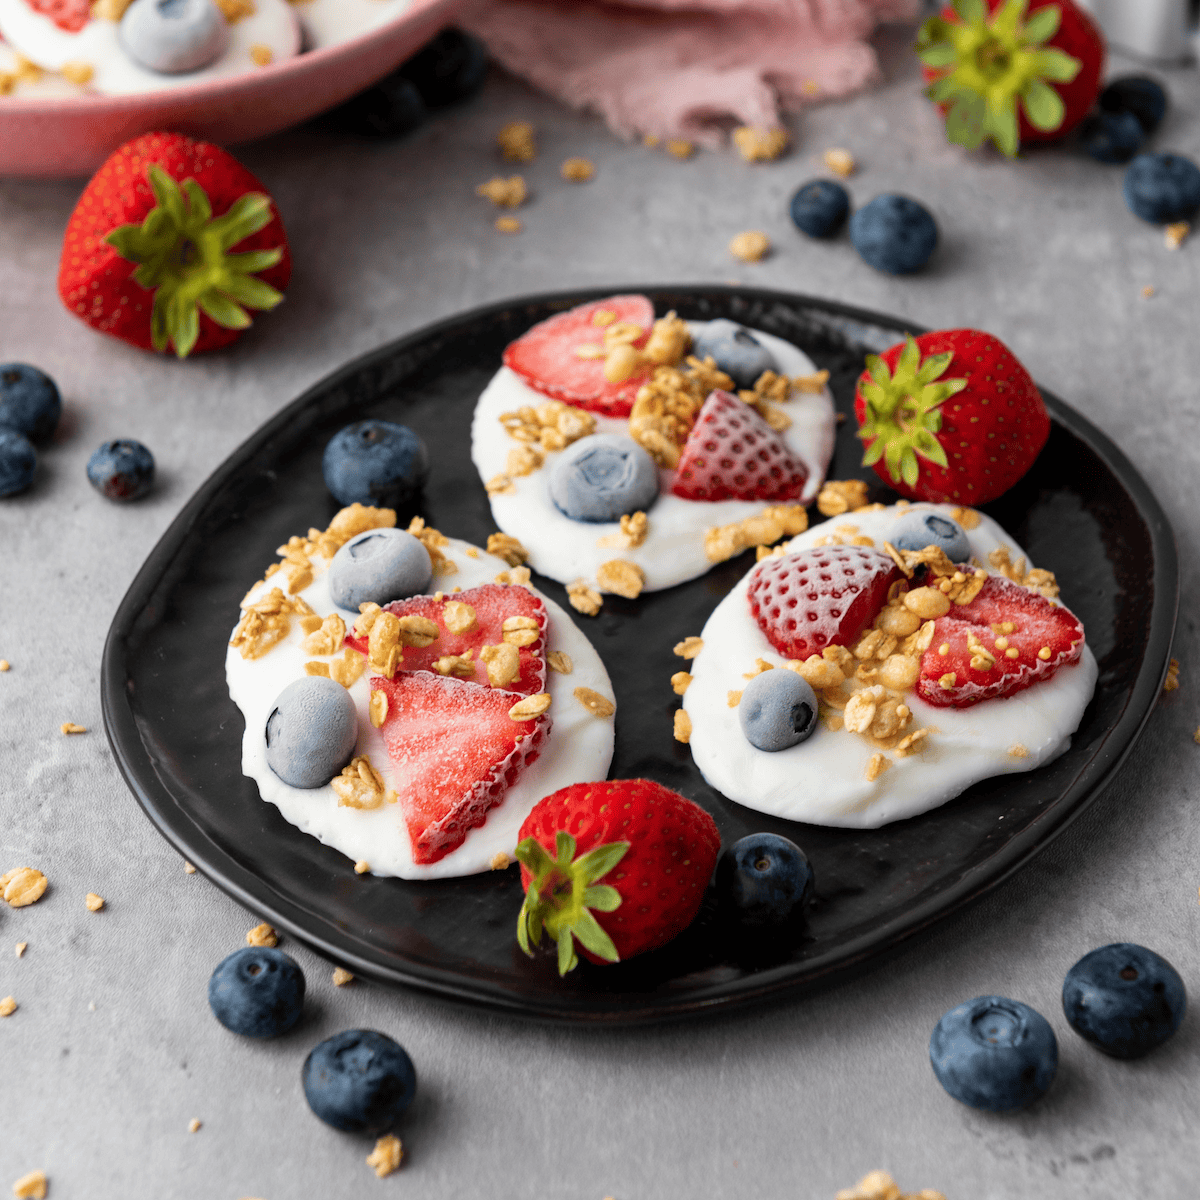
(327, 22)
(273, 25)
(578, 749)
(673, 551)
(823, 781)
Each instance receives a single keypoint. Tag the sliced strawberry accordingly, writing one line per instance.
(733, 454)
(980, 638)
(69, 15)
(493, 605)
(821, 597)
(546, 357)
(456, 752)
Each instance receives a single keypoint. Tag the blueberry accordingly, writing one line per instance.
(820, 208)
(1111, 137)
(894, 234)
(375, 462)
(390, 108)
(122, 469)
(736, 350)
(1124, 999)
(1136, 94)
(359, 1081)
(377, 567)
(451, 68)
(18, 461)
(921, 529)
(602, 477)
(994, 1053)
(1162, 188)
(173, 36)
(777, 710)
(29, 401)
(257, 992)
(765, 879)
(311, 732)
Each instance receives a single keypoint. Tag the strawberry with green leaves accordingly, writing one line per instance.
(170, 245)
(618, 867)
(950, 416)
(1012, 71)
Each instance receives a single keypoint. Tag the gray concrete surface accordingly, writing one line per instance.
(113, 1050)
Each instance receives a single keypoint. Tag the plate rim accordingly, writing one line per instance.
(892, 936)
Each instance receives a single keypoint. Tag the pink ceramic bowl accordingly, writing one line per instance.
(72, 135)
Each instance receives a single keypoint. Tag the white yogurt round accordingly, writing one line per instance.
(327, 22)
(578, 749)
(823, 780)
(673, 551)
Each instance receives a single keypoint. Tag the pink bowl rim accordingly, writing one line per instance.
(227, 87)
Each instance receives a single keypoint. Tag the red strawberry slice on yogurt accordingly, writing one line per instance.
(456, 752)
(733, 454)
(824, 596)
(492, 605)
(68, 15)
(563, 357)
(1005, 640)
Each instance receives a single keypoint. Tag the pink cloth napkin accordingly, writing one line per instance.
(687, 68)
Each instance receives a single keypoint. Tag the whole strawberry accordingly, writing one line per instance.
(170, 243)
(1011, 70)
(950, 416)
(628, 877)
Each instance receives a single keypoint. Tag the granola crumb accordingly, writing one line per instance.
(876, 767)
(584, 599)
(621, 577)
(500, 861)
(360, 785)
(838, 496)
(22, 887)
(504, 193)
(386, 1156)
(760, 145)
(261, 55)
(679, 148)
(362, 867)
(578, 170)
(78, 73)
(1148, 291)
(341, 977)
(594, 702)
(530, 707)
(1175, 234)
(840, 162)
(776, 521)
(507, 547)
(1172, 680)
(93, 902)
(1016, 750)
(508, 225)
(733, 698)
(968, 518)
(1196, 736)
(560, 661)
(516, 142)
(31, 1186)
(8, 1006)
(680, 681)
(233, 10)
(689, 647)
(752, 245)
(194, 1125)
(5, 665)
(70, 727)
(811, 385)
(262, 935)
(188, 869)
(21, 948)
(879, 1185)
(683, 726)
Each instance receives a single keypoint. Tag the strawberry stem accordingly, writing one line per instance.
(563, 892)
(182, 253)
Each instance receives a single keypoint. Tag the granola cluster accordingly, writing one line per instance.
(1036, 579)
(776, 521)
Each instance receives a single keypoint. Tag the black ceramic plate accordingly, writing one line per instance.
(1082, 511)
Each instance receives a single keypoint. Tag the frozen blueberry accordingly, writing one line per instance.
(1111, 137)
(736, 350)
(1162, 188)
(777, 710)
(18, 461)
(1136, 94)
(390, 108)
(379, 566)
(376, 463)
(921, 529)
(1124, 999)
(449, 69)
(173, 36)
(257, 992)
(359, 1081)
(602, 477)
(29, 401)
(764, 878)
(994, 1053)
(311, 732)
(820, 208)
(122, 469)
(894, 234)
